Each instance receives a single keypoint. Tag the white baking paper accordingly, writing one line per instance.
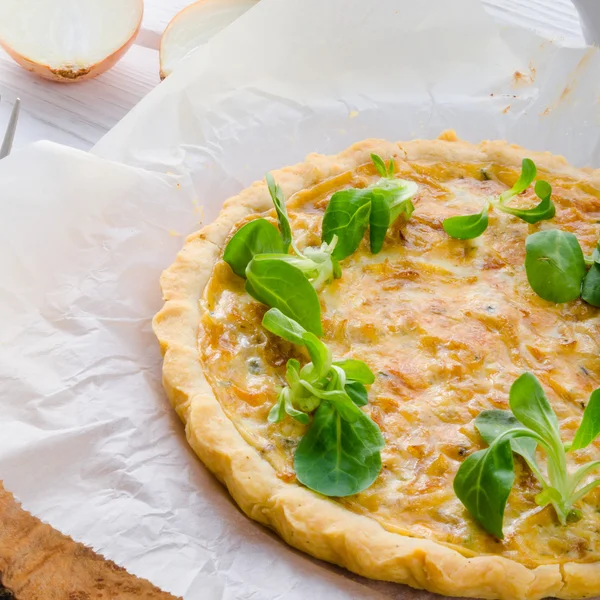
(87, 439)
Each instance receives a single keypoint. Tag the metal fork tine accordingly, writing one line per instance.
(9, 136)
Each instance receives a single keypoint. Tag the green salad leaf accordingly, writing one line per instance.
(255, 237)
(281, 210)
(543, 211)
(347, 217)
(357, 392)
(284, 405)
(468, 227)
(281, 285)
(530, 406)
(589, 428)
(390, 198)
(528, 173)
(596, 254)
(319, 353)
(383, 169)
(278, 323)
(284, 327)
(484, 480)
(590, 290)
(278, 412)
(492, 423)
(340, 453)
(336, 457)
(356, 370)
(555, 265)
(556, 268)
(379, 221)
(388, 202)
(483, 484)
(351, 211)
(338, 397)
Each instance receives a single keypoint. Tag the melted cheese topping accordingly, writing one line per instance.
(446, 326)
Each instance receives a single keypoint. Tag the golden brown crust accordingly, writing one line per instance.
(39, 563)
(303, 518)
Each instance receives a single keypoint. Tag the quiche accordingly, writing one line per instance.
(444, 325)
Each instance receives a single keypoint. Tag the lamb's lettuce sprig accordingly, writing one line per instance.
(467, 227)
(377, 207)
(261, 237)
(484, 480)
(557, 270)
(339, 455)
(260, 253)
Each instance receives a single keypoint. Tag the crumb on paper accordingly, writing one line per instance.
(175, 233)
(532, 71)
(565, 93)
(506, 109)
(178, 186)
(520, 78)
(353, 114)
(546, 111)
(198, 208)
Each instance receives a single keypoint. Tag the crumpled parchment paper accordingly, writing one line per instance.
(87, 439)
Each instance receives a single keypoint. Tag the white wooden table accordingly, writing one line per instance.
(80, 114)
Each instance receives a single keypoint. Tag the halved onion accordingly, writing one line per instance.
(194, 26)
(69, 40)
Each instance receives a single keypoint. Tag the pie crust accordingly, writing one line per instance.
(304, 519)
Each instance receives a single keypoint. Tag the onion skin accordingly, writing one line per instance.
(74, 73)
